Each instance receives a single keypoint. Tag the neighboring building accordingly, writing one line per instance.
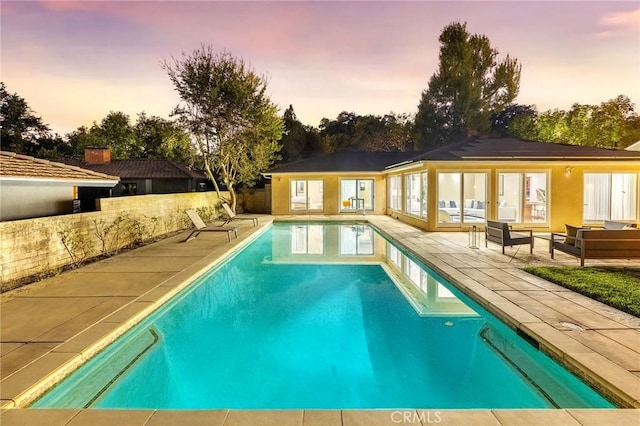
(30, 187)
(530, 184)
(137, 176)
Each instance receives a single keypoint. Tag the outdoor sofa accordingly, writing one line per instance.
(614, 241)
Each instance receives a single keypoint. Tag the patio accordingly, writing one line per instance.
(51, 326)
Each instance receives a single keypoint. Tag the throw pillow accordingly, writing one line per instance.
(480, 205)
(452, 204)
(571, 235)
(630, 226)
(441, 204)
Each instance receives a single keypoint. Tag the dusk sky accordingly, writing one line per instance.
(75, 61)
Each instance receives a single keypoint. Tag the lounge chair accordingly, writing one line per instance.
(201, 227)
(233, 216)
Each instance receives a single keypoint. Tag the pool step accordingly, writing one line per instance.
(95, 377)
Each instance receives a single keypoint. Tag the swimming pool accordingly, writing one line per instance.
(321, 316)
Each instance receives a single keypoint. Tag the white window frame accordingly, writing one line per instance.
(297, 183)
(394, 201)
(410, 195)
(608, 214)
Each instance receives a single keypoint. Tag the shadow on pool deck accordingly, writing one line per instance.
(50, 327)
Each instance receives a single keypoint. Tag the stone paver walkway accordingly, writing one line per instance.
(50, 327)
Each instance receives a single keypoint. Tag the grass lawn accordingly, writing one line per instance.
(617, 287)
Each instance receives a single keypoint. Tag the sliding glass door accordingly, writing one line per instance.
(356, 194)
(306, 195)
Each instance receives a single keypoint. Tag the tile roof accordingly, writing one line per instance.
(345, 161)
(516, 149)
(14, 165)
(140, 169)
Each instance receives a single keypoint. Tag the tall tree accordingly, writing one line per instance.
(337, 135)
(21, 128)
(294, 141)
(610, 123)
(82, 138)
(349, 131)
(469, 86)
(163, 139)
(233, 122)
(578, 123)
(390, 132)
(552, 126)
(516, 121)
(117, 133)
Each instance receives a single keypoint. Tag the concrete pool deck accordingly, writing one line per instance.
(50, 327)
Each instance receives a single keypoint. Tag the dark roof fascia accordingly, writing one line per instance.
(456, 152)
(370, 162)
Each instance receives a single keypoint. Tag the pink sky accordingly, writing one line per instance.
(75, 61)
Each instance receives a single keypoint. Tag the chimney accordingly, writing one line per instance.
(95, 155)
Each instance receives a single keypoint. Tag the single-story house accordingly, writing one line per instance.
(31, 187)
(137, 176)
(529, 184)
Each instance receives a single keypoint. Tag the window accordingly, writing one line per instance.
(395, 193)
(416, 194)
(522, 197)
(306, 195)
(356, 194)
(610, 196)
(462, 197)
(129, 188)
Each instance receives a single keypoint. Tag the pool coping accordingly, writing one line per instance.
(553, 341)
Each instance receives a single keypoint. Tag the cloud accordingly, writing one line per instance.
(616, 22)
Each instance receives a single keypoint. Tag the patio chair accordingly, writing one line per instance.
(201, 227)
(499, 232)
(233, 216)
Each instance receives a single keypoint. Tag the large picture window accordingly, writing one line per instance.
(416, 194)
(395, 193)
(610, 196)
(306, 195)
(462, 197)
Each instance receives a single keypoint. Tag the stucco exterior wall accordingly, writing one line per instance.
(564, 193)
(34, 246)
(281, 188)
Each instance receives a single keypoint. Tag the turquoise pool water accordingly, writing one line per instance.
(321, 316)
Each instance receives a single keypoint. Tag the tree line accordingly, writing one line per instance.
(226, 125)
(24, 132)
